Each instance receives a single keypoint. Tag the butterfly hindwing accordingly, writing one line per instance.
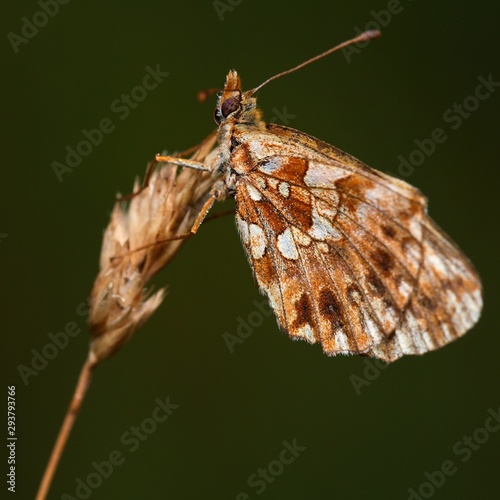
(446, 304)
(347, 255)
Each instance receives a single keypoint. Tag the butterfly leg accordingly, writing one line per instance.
(182, 162)
(218, 193)
(200, 149)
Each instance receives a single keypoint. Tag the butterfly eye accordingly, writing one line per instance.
(229, 106)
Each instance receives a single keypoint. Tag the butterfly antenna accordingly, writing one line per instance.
(363, 37)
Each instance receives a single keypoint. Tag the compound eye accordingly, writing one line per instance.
(229, 106)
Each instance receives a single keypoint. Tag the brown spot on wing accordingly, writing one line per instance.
(296, 208)
(376, 283)
(304, 310)
(264, 269)
(291, 169)
(427, 303)
(331, 309)
(270, 217)
(296, 169)
(383, 260)
(389, 231)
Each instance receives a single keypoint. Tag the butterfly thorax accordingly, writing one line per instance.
(238, 118)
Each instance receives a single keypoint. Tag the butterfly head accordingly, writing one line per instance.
(235, 106)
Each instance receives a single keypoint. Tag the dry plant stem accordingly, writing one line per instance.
(164, 209)
(69, 420)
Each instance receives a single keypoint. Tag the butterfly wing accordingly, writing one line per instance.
(346, 254)
(445, 305)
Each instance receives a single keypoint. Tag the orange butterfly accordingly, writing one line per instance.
(347, 255)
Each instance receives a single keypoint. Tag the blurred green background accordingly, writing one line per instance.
(236, 409)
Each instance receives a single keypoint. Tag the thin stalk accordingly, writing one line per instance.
(73, 411)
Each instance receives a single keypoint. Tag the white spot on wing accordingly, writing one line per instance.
(428, 340)
(284, 189)
(436, 262)
(257, 241)
(468, 301)
(318, 175)
(477, 298)
(325, 209)
(323, 247)
(322, 228)
(363, 213)
(261, 182)
(404, 342)
(306, 332)
(270, 166)
(377, 195)
(415, 228)
(419, 342)
(405, 288)
(341, 341)
(274, 294)
(286, 245)
(273, 182)
(412, 332)
(243, 229)
(300, 237)
(447, 332)
(372, 328)
(254, 193)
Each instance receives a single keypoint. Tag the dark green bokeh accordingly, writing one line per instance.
(236, 409)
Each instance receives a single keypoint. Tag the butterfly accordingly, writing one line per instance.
(347, 256)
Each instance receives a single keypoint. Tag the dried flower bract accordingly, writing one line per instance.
(131, 253)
